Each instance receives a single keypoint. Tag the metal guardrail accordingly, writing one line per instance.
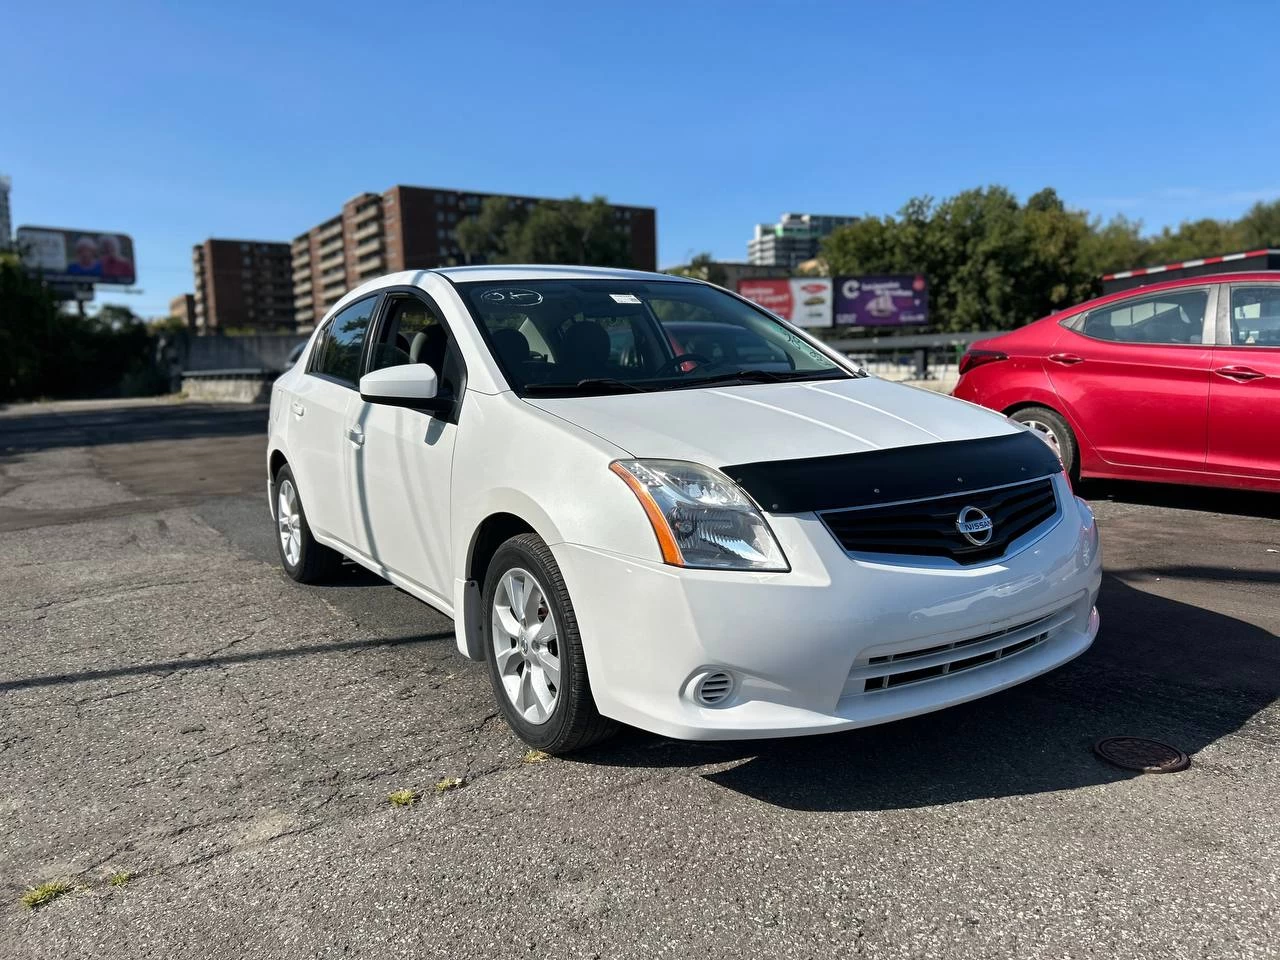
(235, 373)
(925, 341)
(930, 355)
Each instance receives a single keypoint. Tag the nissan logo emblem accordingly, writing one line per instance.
(974, 526)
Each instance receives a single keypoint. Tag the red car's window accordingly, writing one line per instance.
(1255, 316)
(1175, 316)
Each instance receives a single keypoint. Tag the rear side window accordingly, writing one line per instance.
(1170, 317)
(337, 352)
(1255, 316)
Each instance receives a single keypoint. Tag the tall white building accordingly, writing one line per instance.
(795, 238)
(6, 227)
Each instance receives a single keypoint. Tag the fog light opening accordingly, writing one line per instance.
(713, 689)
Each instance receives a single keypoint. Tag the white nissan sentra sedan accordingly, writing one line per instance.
(645, 500)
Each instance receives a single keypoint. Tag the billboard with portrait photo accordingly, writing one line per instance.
(78, 256)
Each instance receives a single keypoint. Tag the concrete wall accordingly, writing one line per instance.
(261, 352)
(227, 389)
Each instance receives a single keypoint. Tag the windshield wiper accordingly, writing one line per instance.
(588, 385)
(765, 376)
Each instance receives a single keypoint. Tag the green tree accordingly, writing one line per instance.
(972, 248)
(492, 234)
(114, 316)
(1115, 245)
(552, 231)
(30, 324)
(993, 263)
(1193, 239)
(1055, 272)
(46, 351)
(168, 325)
(1260, 227)
(702, 267)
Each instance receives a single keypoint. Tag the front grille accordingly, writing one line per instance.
(929, 527)
(926, 663)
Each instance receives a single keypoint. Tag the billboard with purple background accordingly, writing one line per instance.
(881, 301)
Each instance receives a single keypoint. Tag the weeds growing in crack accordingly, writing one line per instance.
(403, 798)
(45, 893)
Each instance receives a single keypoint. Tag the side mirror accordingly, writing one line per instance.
(410, 385)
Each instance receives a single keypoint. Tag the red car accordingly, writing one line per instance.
(1176, 382)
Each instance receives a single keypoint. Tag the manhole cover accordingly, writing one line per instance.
(1141, 754)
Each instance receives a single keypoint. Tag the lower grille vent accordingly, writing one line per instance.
(926, 663)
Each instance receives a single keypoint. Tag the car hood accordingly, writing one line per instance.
(775, 421)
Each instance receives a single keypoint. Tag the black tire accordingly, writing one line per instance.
(574, 722)
(316, 563)
(1039, 418)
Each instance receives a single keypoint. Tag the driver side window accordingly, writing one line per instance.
(414, 332)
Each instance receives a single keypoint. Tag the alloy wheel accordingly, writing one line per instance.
(1045, 433)
(289, 521)
(526, 645)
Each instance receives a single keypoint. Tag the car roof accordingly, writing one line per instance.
(497, 273)
(501, 272)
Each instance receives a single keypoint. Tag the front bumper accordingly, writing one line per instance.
(839, 641)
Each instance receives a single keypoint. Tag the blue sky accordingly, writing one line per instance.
(257, 120)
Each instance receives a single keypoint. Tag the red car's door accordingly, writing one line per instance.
(1134, 375)
(1244, 388)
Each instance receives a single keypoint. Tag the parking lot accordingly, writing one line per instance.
(173, 709)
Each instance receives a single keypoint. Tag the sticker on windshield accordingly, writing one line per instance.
(624, 298)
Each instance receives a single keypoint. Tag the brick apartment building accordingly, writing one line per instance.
(242, 284)
(183, 306)
(409, 228)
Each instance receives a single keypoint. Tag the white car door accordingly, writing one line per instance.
(320, 448)
(403, 466)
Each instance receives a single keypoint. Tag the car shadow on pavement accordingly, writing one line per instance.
(1243, 503)
(36, 431)
(161, 667)
(1159, 668)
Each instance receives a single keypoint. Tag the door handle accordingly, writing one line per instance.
(356, 436)
(297, 408)
(1066, 359)
(1242, 374)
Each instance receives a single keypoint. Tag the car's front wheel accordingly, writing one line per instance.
(536, 665)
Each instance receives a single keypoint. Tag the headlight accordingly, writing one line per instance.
(700, 517)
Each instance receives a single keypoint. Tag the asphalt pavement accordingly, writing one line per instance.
(177, 714)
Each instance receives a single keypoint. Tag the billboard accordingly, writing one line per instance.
(881, 301)
(77, 256)
(805, 301)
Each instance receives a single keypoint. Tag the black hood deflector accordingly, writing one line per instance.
(901, 473)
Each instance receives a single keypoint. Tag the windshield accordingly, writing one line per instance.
(571, 337)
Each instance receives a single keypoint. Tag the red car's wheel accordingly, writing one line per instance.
(1054, 431)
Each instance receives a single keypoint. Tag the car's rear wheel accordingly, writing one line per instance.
(536, 665)
(1053, 430)
(303, 558)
